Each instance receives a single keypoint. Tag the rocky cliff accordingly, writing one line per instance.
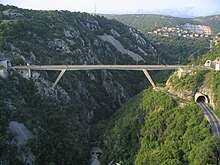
(59, 120)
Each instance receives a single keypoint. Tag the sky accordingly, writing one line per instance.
(181, 8)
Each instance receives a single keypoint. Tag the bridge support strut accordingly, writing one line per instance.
(29, 73)
(149, 78)
(59, 77)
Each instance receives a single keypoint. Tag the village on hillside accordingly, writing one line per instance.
(187, 30)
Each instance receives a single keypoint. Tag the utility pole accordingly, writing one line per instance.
(95, 9)
(158, 60)
(210, 45)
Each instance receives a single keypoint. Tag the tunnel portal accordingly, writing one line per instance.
(200, 97)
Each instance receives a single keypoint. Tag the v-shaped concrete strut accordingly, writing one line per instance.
(149, 78)
(59, 77)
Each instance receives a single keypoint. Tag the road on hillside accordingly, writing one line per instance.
(212, 118)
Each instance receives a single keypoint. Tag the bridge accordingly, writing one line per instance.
(64, 68)
(200, 98)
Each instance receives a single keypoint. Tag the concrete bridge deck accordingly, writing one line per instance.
(99, 67)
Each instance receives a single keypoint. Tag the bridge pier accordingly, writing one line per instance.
(59, 77)
(29, 73)
(149, 78)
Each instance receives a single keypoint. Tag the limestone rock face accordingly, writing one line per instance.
(210, 95)
(136, 57)
(81, 98)
(187, 94)
(20, 132)
(21, 136)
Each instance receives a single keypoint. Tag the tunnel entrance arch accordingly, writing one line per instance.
(200, 97)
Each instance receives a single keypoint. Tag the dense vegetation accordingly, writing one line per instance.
(188, 82)
(194, 80)
(213, 78)
(62, 37)
(213, 54)
(215, 88)
(178, 50)
(148, 22)
(57, 136)
(173, 48)
(60, 119)
(152, 129)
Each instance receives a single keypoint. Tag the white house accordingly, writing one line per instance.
(217, 67)
(4, 64)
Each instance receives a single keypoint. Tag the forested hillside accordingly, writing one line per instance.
(178, 50)
(152, 129)
(206, 81)
(172, 49)
(211, 55)
(165, 127)
(40, 125)
(148, 22)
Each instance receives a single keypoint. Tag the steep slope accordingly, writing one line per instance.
(212, 21)
(174, 49)
(165, 128)
(55, 124)
(187, 83)
(171, 45)
(148, 22)
(152, 129)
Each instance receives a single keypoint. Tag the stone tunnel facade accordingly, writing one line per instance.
(200, 97)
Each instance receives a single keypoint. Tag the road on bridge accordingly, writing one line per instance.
(64, 68)
(99, 67)
(212, 118)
